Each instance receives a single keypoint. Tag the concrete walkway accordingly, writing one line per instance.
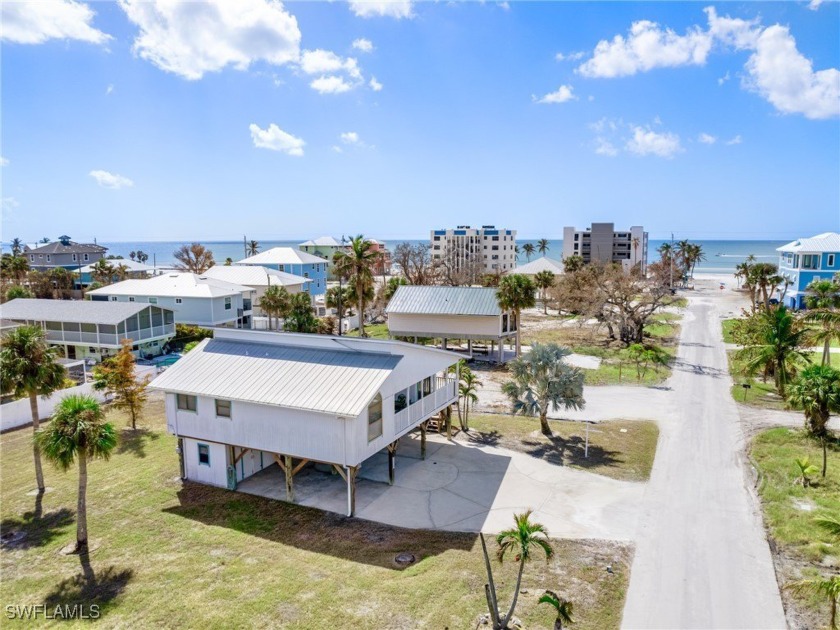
(702, 559)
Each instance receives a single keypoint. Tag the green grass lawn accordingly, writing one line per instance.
(761, 394)
(374, 331)
(621, 449)
(171, 554)
(728, 326)
(789, 509)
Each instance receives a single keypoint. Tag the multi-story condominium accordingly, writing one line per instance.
(295, 262)
(86, 329)
(805, 260)
(63, 253)
(482, 250)
(603, 243)
(196, 300)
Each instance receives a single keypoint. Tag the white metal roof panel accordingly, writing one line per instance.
(76, 311)
(437, 300)
(540, 264)
(826, 242)
(327, 381)
(282, 256)
(254, 276)
(177, 284)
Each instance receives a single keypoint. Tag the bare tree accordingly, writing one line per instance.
(455, 268)
(195, 258)
(414, 262)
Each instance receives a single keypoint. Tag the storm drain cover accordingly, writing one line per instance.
(404, 559)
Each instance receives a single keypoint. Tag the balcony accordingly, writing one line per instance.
(425, 407)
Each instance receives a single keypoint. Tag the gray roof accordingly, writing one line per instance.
(535, 266)
(79, 311)
(58, 247)
(435, 300)
(327, 381)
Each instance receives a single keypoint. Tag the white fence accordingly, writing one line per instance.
(17, 413)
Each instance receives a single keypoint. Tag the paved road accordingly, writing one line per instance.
(702, 559)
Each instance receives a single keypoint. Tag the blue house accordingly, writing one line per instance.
(295, 262)
(805, 260)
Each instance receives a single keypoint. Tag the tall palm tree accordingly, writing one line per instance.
(30, 369)
(14, 267)
(765, 277)
(823, 300)
(542, 380)
(826, 587)
(817, 392)
(515, 293)
(544, 281)
(357, 263)
(563, 608)
(194, 257)
(17, 247)
(468, 392)
(78, 433)
(542, 246)
(520, 541)
(528, 248)
(253, 248)
(275, 302)
(102, 272)
(777, 346)
(121, 271)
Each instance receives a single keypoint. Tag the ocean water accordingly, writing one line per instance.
(721, 256)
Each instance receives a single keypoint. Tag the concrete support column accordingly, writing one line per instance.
(469, 347)
(501, 350)
(351, 472)
(444, 343)
(423, 427)
(392, 456)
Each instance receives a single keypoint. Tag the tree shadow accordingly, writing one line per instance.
(134, 441)
(88, 587)
(562, 451)
(484, 438)
(34, 529)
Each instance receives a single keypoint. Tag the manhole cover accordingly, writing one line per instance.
(404, 559)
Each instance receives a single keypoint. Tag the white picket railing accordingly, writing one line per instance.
(426, 406)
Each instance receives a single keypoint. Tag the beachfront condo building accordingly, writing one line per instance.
(601, 242)
(485, 249)
(807, 259)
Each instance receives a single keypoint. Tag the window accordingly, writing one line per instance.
(49, 258)
(223, 408)
(375, 418)
(829, 261)
(87, 258)
(203, 455)
(31, 257)
(400, 400)
(810, 261)
(74, 257)
(113, 298)
(152, 300)
(427, 386)
(227, 304)
(187, 403)
(178, 300)
(131, 298)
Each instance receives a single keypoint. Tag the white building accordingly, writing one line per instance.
(540, 264)
(440, 312)
(602, 243)
(196, 300)
(489, 249)
(245, 401)
(258, 278)
(95, 330)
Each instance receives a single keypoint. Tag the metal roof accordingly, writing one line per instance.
(323, 241)
(254, 276)
(77, 311)
(314, 379)
(71, 248)
(132, 265)
(826, 242)
(282, 256)
(436, 300)
(535, 266)
(175, 284)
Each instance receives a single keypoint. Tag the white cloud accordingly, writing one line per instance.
(706, 138)
(363, 45)
(504, 5)
(561, 95)
(109, 89)
(575, 56)
(325, 61)
(4, 161)
(330, 85)
(735, 140)
(647, 46)
(398, 9)
(111, 180)
(275, 139)
(735, 32)
(814, 4)
(192, 38)
(350, 137)
(375, 85)
(605, 147)
(35, 22)
(724, 78)
(645, 141)
(337, 149)
(782, 75)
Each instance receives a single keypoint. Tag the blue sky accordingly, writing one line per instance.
(160, 121)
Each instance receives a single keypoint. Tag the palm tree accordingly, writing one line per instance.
(528, 248)
(765, 277)
(357, 263)
(132, 254)
(805, 469)
(542, 246)
(827, 588)
(777, 346)
(544, 281)
(142, 256)
(121, 271)
(817, 392)
(823, 300)
(78, 433)
(573, 263)
(515, 293)
(468, 392)
(102, 272)
(30, 369)
(17, 247)
(562, 607)
(543, 381)
(275, 302)
(253, 248)
(520, 540)
(14, 267)
(194, 257)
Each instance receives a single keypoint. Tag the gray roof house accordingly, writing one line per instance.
(63, 253)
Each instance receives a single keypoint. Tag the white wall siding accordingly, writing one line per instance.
(445, 325)
(194, 310)
(216, 473)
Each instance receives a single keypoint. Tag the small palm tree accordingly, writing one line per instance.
(253, 248)
(515, 293)
(528, 249)
(78, 434)
(827, 588)
(806, 469)
(543, 381)
(30, 368)
(562, 607)
(823, 301)
(275, 302)
(357, 263)
(817, 392)
(831, 524)
(468, 392)
(17, 247)
(544, 281)
(542, 246)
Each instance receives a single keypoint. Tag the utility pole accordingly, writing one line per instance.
(671, 257)
(245, 245)
(340, 291)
